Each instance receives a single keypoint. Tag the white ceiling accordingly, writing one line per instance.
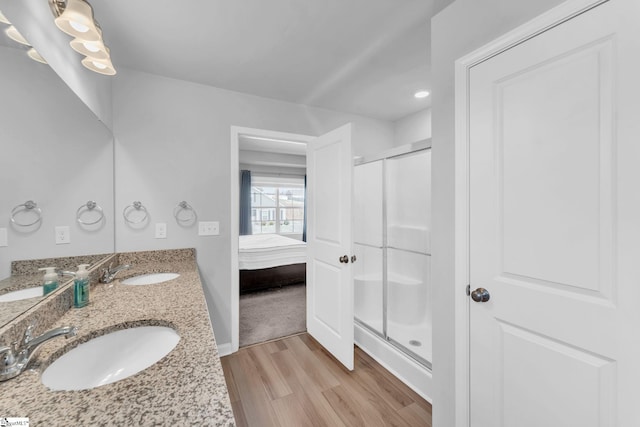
(361, 56)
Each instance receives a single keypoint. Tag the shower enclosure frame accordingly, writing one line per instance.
(401, 151)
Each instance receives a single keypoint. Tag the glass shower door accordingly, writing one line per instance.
(408, 238)
(368, 245)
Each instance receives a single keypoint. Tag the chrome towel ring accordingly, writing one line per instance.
(28, 206)
(184, 206)
(89, 207)
(135, 206)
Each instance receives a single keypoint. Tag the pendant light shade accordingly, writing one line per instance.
(77, 21)
(95, 49)
(14, 35)
(101, 66)
(4, 19)
(33, 54)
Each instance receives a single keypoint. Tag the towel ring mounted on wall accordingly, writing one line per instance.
(89, 207)
(28, 206)
(184, 206)
(135, 206)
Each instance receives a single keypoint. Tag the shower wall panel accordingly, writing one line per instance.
(367, 204)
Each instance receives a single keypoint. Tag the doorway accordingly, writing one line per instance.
(277, 160)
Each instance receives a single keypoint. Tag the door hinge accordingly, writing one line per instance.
(468, 290)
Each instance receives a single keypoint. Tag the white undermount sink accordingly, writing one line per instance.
(110, 358)
(22, 294)
(150, 279)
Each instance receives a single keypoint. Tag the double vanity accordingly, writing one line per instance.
(143, 353)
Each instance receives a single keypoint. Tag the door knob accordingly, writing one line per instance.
(344, 259)
(480, 295)
(353, 259)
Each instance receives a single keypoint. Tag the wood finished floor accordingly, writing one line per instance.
(295, 382)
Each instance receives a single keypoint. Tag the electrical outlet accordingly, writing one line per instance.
(208, 228)
(3, 237)
(63, 235)
(161, 230)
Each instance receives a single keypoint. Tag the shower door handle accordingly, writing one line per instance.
(480, 295)
(344, 259)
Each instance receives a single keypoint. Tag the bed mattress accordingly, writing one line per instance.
(270, 250)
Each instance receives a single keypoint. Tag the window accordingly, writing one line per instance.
(277, 205)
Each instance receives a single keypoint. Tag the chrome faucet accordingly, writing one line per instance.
(14, 359)
(108, 274)
(63, 273)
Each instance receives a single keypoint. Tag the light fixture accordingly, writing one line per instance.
(75, 17)
(33, 54)
(95, 49)
(102, 66)
(421, 94)
(14, 35)
(4, 19)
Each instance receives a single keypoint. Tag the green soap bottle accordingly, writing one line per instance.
(50, 281)
(81, 287)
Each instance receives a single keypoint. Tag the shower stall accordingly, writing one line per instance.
(392, 289)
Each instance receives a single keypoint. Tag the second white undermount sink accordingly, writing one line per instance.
(150, 279)
(22, 294)
(110, 358)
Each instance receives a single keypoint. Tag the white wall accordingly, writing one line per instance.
(458, 30)
(412, 128)
(55, 152)
(34, 20)
(173, 144)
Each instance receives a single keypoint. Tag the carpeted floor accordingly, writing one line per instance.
(272, 314)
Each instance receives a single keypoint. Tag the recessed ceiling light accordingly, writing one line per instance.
(421, 94)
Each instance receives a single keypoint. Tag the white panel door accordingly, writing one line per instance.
(555, 226)
(329, 280)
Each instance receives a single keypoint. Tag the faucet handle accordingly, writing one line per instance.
(7, 355)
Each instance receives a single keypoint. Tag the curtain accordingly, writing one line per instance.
(245, 202)
(304, 217)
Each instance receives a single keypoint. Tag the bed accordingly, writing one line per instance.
(270, 260)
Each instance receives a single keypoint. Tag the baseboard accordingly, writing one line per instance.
(224, 349)
(407, 370)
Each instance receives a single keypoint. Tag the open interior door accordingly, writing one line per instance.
(329, 271)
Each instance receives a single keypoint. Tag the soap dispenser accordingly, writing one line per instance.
(50, 281)
(81, 287)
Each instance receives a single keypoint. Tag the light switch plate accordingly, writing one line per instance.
(208, 228)
(3, 237)
(63, 235)
(161, 230)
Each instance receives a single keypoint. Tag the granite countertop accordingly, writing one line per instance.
(25, 274)
(11, 309)
(186, 387)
